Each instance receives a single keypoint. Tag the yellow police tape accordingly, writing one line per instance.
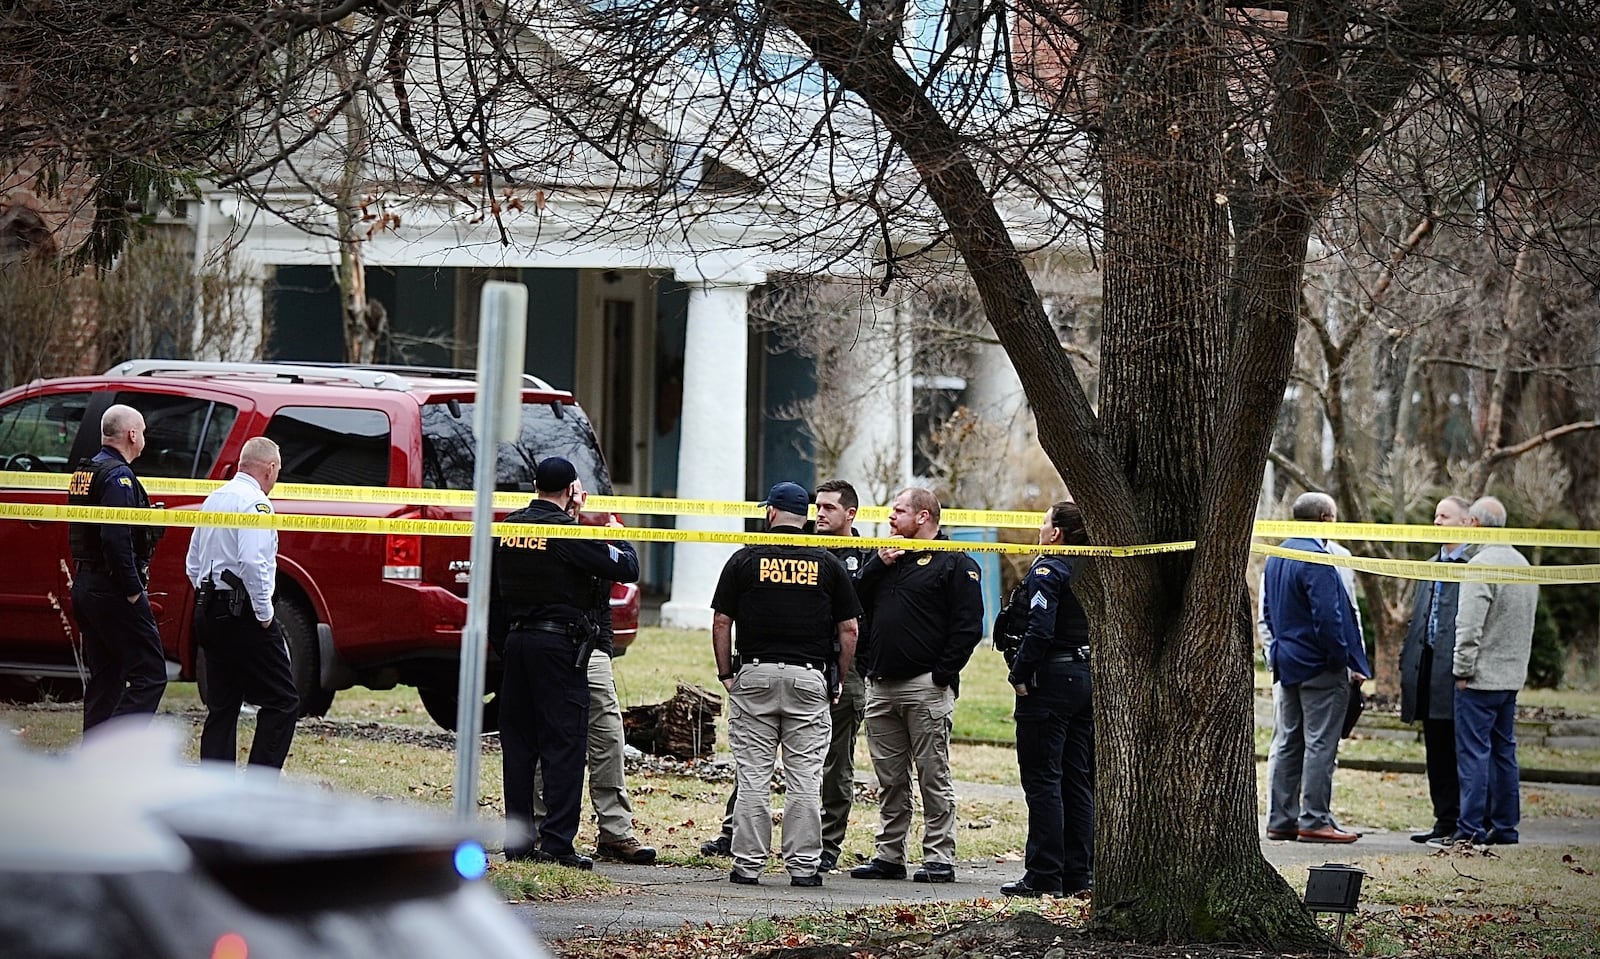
(1444, 572)
(417, 496)
(298, 522)
(633, 505)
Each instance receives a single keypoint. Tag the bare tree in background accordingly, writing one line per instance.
(55, 321)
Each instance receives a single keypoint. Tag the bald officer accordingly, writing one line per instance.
(787, 605)
(111, 567)
(234, 572)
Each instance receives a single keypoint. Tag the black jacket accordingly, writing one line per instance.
(554, 579)
(924, 612)
(120, 552)
(1440, 682)
(1056, 621)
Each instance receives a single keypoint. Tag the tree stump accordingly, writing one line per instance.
(683, 727)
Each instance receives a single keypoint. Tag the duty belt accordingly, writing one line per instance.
(1078, 655)
(774, 661)
(560, 627)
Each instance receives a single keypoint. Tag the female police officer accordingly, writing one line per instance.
(1055, 720)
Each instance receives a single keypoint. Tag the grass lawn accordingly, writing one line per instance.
(675, 813)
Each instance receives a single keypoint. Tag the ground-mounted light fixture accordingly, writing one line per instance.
(1334, 887)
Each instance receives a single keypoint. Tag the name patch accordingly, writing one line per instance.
(790, 572)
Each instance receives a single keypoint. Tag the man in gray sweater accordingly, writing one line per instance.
(1494, 637)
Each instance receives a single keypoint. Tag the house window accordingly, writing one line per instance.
(933, 400)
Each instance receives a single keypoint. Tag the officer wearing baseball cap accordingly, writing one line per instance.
(547, 592)
(787, 605)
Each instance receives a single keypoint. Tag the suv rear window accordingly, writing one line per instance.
(548, 429)
(332, 446)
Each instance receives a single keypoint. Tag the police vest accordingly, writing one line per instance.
(531, 574)
(86, 487)
(786, 604)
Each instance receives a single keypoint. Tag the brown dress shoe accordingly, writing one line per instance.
(1283, 835)
(628, 850)
(1327, 834)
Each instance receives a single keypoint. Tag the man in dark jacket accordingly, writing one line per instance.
(548, 590)
(925, 614)
(111, 572)
(1427, 690)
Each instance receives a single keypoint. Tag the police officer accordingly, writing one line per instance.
(121, 646)
(234, 572)
(787, 604)
(1049, 669)
(547, 589)
(837, 503)
(608, 785)
(925, 615)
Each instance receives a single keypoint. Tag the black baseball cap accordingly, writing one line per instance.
(788, 498)
(554, 474)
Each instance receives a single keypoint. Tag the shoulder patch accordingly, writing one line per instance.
(125, 481)
(973, 574)
(263, 507)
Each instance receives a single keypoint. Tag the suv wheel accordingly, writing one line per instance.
(442, 703)
(305, 658)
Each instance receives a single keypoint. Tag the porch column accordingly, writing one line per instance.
(877, 460)
(711, 447)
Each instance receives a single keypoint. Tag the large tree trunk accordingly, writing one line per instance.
(1174, 713)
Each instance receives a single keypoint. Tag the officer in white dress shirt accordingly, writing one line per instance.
(234, 572)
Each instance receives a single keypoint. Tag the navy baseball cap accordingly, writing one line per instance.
(554, 475)
(788, 498)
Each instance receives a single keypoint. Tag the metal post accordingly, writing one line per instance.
(497, 416)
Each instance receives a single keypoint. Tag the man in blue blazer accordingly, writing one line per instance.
(1316, 655)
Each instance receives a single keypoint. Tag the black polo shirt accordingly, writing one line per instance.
(786, 602)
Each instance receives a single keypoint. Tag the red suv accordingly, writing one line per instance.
(357, 609)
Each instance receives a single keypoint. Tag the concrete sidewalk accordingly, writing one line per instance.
(666, 897)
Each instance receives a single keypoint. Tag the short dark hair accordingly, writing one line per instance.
(1066, 517)
(847, 493)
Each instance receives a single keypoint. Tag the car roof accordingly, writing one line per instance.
(312, 378)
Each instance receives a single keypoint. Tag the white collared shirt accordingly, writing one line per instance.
(252, 554)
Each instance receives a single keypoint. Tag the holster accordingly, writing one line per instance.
(237, 600)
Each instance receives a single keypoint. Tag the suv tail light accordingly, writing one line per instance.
(402, 555)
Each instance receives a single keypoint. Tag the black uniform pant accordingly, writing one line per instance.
(1439, 751)
(1055, 756)
(245, 663)
(544, 721)
(121, 648)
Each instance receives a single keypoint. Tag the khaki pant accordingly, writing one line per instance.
(774, 705)
(908, 724)
(608, 788)
(839, 770)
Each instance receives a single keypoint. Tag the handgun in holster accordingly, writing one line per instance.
(586, 633)
(236, 595)
(830, 672)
